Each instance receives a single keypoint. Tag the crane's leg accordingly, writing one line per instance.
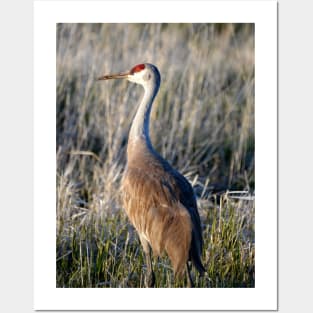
(190, 283)
(150, 277)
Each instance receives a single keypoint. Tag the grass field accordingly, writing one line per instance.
(202, 122)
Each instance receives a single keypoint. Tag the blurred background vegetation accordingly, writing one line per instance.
(202, 122)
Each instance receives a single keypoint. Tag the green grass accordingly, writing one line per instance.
(104, 251)
(202, 122)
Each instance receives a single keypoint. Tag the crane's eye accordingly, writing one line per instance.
(146, 77)
(137, 68)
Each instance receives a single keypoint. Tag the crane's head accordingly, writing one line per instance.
(144, 74)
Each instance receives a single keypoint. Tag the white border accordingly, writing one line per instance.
(46, 295)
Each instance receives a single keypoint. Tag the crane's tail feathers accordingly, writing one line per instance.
(198, 264)
(196, 251)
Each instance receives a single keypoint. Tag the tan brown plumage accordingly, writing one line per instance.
(158, 200)
(151, 202)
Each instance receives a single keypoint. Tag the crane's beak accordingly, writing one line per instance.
(114, 76)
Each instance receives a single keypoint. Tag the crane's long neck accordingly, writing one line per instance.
(139, 131)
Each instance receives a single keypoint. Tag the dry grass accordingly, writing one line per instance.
(202, 123)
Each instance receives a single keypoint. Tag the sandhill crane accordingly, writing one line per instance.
(158, 200)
